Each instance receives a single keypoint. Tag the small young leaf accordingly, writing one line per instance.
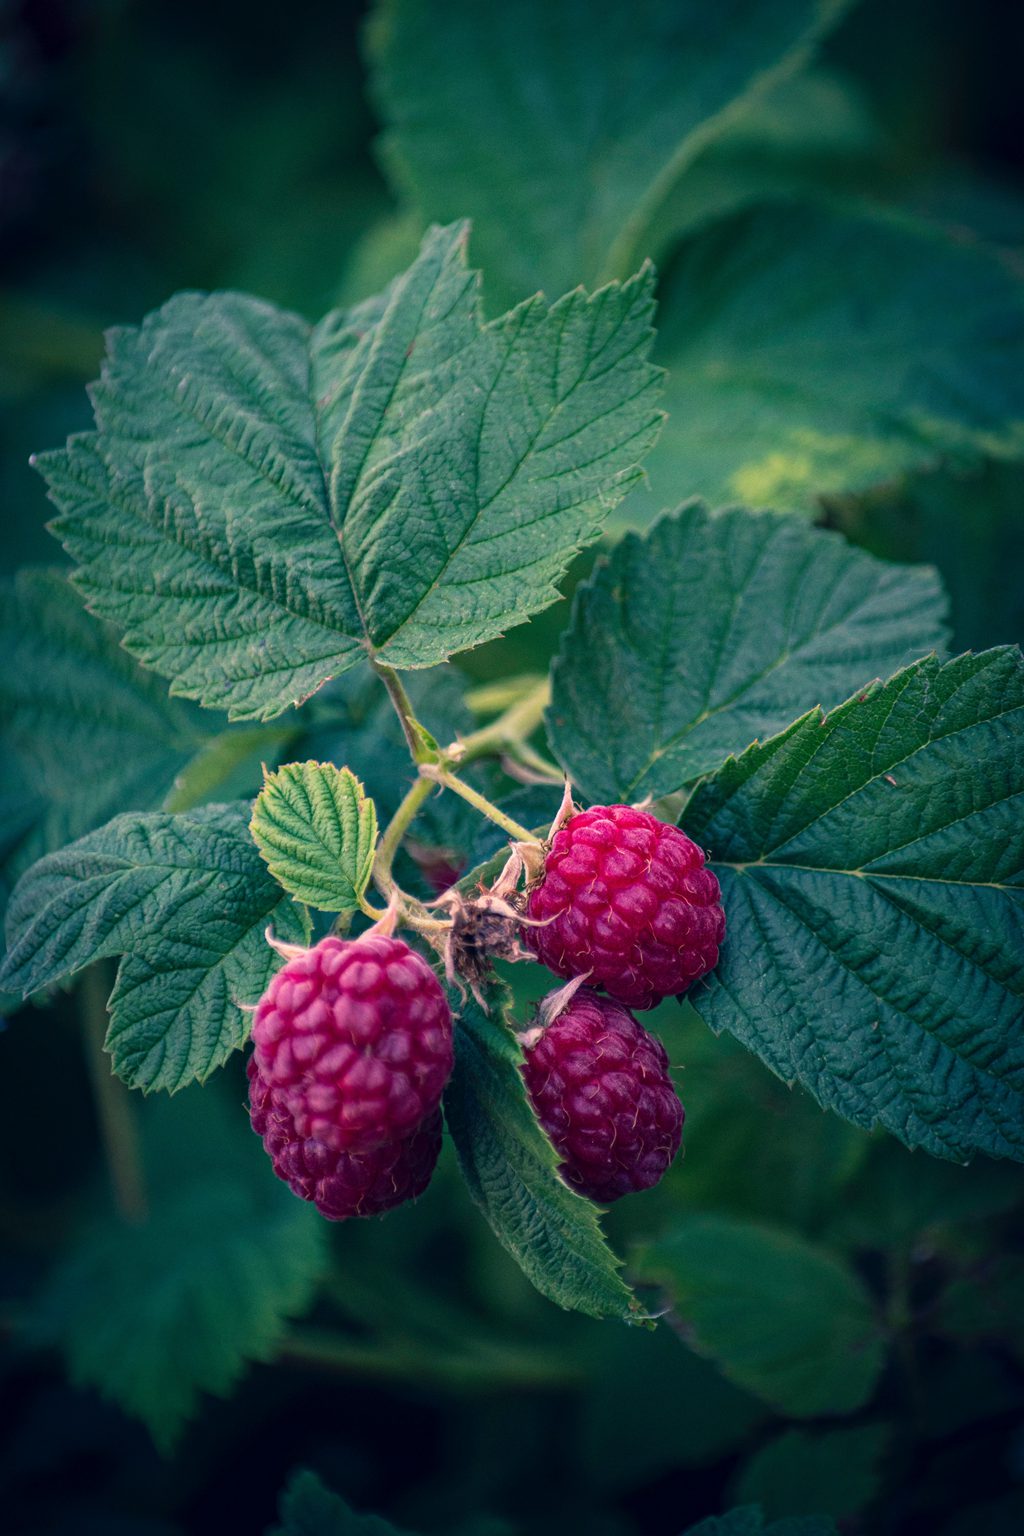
(308, 1508)
(316, 829)
(872, 869)
(559, 129)
(815, 350)
(783, 1318)
(401, 480)
(715, 629)
(151, 1315)
(87, 732)
(186, 900)
(511, 1169)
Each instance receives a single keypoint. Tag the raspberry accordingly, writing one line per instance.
(626, 901)
(355, 1039)
(600, 1087)
(342, 1184)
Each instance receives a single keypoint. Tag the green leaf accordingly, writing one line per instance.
(316, 829)
(785, 1319)
(511, 1169)
(154, 1314)
(808, 138)
(263, 504)
(872, 869)
(749, 1521)
(713, 630)
(87, 732)
(835, 1472)
(812, 350)
(308, 1508)
(561, 129)
(186, 900)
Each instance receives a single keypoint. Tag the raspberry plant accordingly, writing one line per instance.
(754, 774)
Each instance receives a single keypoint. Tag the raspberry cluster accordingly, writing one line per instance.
(625, 902)
(352, 1051)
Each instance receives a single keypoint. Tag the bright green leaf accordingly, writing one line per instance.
(308, 1508)
(153, 1314)
(833, 1472)
(560, 129)
(812, 350)
(511, 1169)
(400, 480)
(87, 732)
(713, 630)
(783, 1318)
(186, 900)
(316, 829)
(872, 869)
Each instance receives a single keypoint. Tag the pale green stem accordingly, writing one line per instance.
(513, 828)
(411, 727)
(114, 1109)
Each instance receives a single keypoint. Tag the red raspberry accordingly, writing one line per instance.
(355, 1038)
(342, 1184)
(626, 901)
(600, 1087)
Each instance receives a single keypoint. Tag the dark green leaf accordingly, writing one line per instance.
(308, 1508)
(401, 479)
(561, 129)
(87, 732)
(813, 350)
(511, 1169)
(872, 869)
(186, 900)
(783, 1318)
(713, 630)
(152, 1315)
(749, 1521)
(833, 1472)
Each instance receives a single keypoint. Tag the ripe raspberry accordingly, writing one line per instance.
(626, 901)
(600, 1087)
(342, 1184)
(355, 1038)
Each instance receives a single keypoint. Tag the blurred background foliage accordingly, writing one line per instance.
(852, 1343)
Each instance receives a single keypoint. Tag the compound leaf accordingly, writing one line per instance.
(316, 828)
(511, 1169)
(262, 504)
(783, 1318)
(872, 868)
(560, 129)
(155, 1313)
(713, 630)
(813, 350)
(186, 900)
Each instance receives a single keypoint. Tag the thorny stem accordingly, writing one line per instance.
(431, 774)
(113, 1107)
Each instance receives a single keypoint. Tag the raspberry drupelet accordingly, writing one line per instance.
(342, 1184)
(626, 901)
(354, 1039)
(600, 1087)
